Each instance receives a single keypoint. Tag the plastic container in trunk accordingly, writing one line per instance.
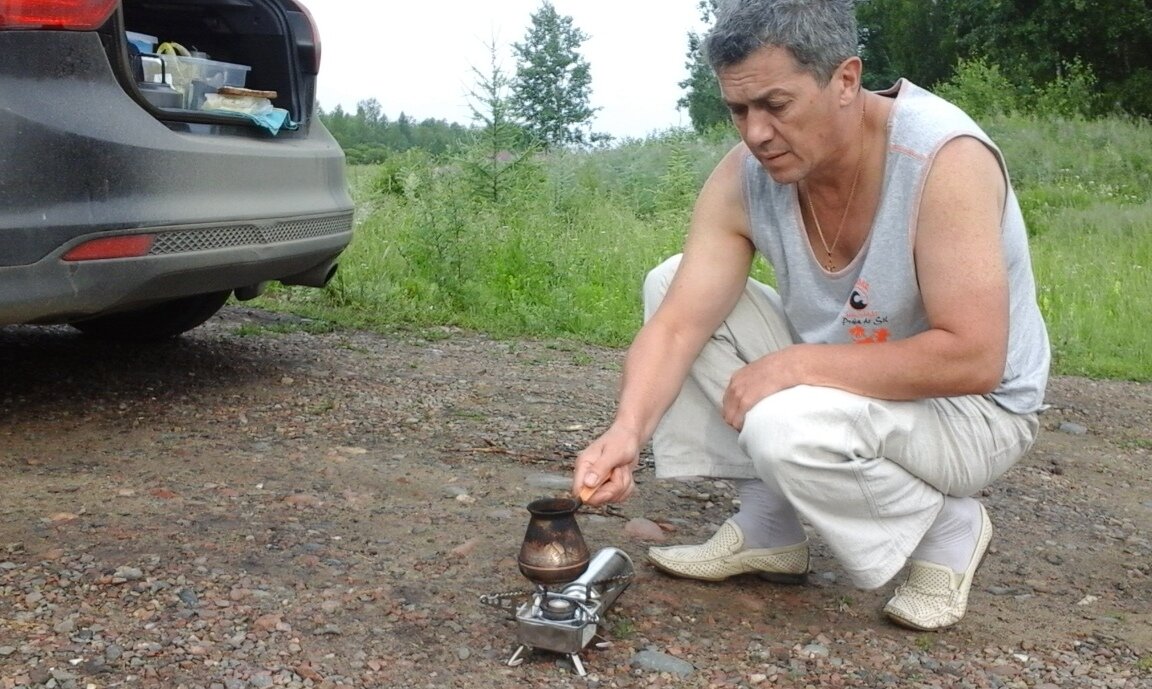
(194, 77)
(266, 45)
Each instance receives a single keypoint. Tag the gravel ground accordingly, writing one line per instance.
(257, 506)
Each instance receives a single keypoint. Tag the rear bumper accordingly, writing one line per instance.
(184, 261)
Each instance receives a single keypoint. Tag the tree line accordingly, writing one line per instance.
(1083, 58)
(368, 136)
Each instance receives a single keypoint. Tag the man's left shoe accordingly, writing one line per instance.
(934, 596)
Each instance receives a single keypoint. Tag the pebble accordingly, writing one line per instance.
(1073, 428)
(551, 482)
(1007, 590)
(453, 492)
(188, 597)
(65, 627)
(654, 661)
(645, 530)
(815, 651)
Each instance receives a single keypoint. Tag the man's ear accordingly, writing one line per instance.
(847, 79)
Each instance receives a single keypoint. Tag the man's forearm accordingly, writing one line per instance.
(654, 371)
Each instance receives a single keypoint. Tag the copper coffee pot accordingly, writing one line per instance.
(573, 591)
(554, 551)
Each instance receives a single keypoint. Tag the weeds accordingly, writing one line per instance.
(559, 246)
(623, 628)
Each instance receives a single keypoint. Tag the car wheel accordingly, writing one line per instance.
(155, 322)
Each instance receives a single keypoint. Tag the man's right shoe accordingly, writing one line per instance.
(723, 556)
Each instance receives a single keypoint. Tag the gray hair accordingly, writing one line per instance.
(820, 34)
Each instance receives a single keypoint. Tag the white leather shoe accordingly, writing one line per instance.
(723, 556)
(934, 596)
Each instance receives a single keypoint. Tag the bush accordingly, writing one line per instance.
(980, 89)
(1133, 95)
(1071, 94)
(398, 172)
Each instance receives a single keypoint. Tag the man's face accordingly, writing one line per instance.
(783, 114)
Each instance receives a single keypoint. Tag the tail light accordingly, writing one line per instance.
(126, 246)
(81, 15)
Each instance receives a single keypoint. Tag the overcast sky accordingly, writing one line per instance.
(418, 56)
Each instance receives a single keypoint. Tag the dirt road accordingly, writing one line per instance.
(254, 508)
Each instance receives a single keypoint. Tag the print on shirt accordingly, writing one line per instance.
(865, 325)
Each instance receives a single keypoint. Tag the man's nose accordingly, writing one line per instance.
(760, 129)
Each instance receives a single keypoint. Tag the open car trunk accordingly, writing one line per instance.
(262, 45)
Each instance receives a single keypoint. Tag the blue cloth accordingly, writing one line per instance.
(273, 120)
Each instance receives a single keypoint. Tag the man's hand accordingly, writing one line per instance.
(765, 376)
(607, 465)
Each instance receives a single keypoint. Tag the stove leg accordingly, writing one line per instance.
(579, 665)
(517, 658)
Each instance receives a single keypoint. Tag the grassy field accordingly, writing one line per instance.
(557, 246)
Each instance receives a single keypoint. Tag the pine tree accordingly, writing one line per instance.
(553, 82)
(495, 162)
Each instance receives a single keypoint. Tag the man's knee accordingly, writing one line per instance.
(801, 426)
(657, 281)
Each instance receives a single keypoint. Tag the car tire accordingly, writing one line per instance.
(156, 322)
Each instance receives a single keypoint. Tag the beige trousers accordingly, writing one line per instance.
(868, 475)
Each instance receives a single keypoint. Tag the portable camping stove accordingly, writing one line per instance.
(572, 592)
(567, 620)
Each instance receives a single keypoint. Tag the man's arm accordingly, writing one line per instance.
(963, 280)
(711, 276)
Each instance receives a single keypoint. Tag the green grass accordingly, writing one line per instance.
(557, 246)
(1086, 191)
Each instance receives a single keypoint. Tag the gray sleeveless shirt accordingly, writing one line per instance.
(876, 297)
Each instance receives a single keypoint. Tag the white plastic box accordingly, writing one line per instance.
(194, 77)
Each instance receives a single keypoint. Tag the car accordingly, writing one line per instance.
(158, 157)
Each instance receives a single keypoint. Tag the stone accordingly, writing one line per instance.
(1073, 428)
(815, 651)
(188, 597)
(644, 530)
(556, 482)
(655, 661)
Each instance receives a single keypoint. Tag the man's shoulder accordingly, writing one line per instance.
(922, 121)
(734, 166)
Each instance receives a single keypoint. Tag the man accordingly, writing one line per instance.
(898, 369)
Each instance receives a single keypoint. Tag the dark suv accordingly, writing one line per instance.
(129, 206)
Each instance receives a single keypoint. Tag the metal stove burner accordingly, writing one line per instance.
(557, 609)
(566, 621)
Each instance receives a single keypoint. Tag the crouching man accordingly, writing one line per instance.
(898, 365)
